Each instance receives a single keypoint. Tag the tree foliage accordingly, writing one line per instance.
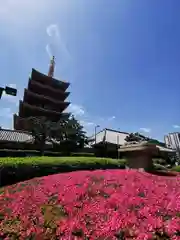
(136, 137)
(41, 129)
(71, 136)
(67, 133)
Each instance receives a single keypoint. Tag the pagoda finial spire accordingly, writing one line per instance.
(51, 67)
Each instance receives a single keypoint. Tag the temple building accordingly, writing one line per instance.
(107, 142)
(44, 96)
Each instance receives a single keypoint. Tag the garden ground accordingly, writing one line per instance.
(100, 204)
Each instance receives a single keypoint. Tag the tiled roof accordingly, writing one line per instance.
(56, 81)
(15, 136)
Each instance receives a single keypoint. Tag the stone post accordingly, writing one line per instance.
(139, 155)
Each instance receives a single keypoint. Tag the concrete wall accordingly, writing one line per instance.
(115, 137)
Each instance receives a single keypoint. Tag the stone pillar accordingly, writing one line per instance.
(139, 155)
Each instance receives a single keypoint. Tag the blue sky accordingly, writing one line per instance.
(122, 58)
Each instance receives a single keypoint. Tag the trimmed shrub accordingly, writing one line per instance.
(176, 168)
(27, 153)
(14, 170)
(83, 154)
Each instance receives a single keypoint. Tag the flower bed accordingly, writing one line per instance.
(110, 204)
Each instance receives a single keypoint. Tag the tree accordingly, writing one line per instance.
(66, 135)
(42, 130)
(71, 136)
(136, 137)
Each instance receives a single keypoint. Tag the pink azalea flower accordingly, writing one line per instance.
(97, 204)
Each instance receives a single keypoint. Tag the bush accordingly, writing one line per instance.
(18, 153)
(27, 153)
(14, 170)
(176, 168)
(83, 154)
(159, 161)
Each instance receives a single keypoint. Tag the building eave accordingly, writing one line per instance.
(37, 74)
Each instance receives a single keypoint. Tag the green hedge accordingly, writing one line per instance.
(26, 153)
(20, 169)
(176, 168)
(83, 154)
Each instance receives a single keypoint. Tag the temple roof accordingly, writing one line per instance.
(7, 135)
(36, 75)
(15, 136)
(46, 99)
(30, 110)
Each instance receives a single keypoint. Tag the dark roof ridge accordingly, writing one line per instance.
(113, 130)
(45, 75)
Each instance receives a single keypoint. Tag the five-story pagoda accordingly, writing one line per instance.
(44, 96)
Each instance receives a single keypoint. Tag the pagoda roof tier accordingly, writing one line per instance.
(40, 77)
(40, 88)
(27, 110)
(48, 102)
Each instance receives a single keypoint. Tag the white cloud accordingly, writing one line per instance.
(76, 110)
(176, 126)
(53, 31)
(6, 113)
(86, 123)
(48, 50)
(146, 130)
(56, 43)
(111, 118)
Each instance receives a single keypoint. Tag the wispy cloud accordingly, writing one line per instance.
(89, 121)
(48, 50)
(56, 43)
(76, 110)
(146, 130)
(176, 126)
(52, 30)
(111, 118)
(86, 123)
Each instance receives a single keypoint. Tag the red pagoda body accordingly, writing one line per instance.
(44, 96)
